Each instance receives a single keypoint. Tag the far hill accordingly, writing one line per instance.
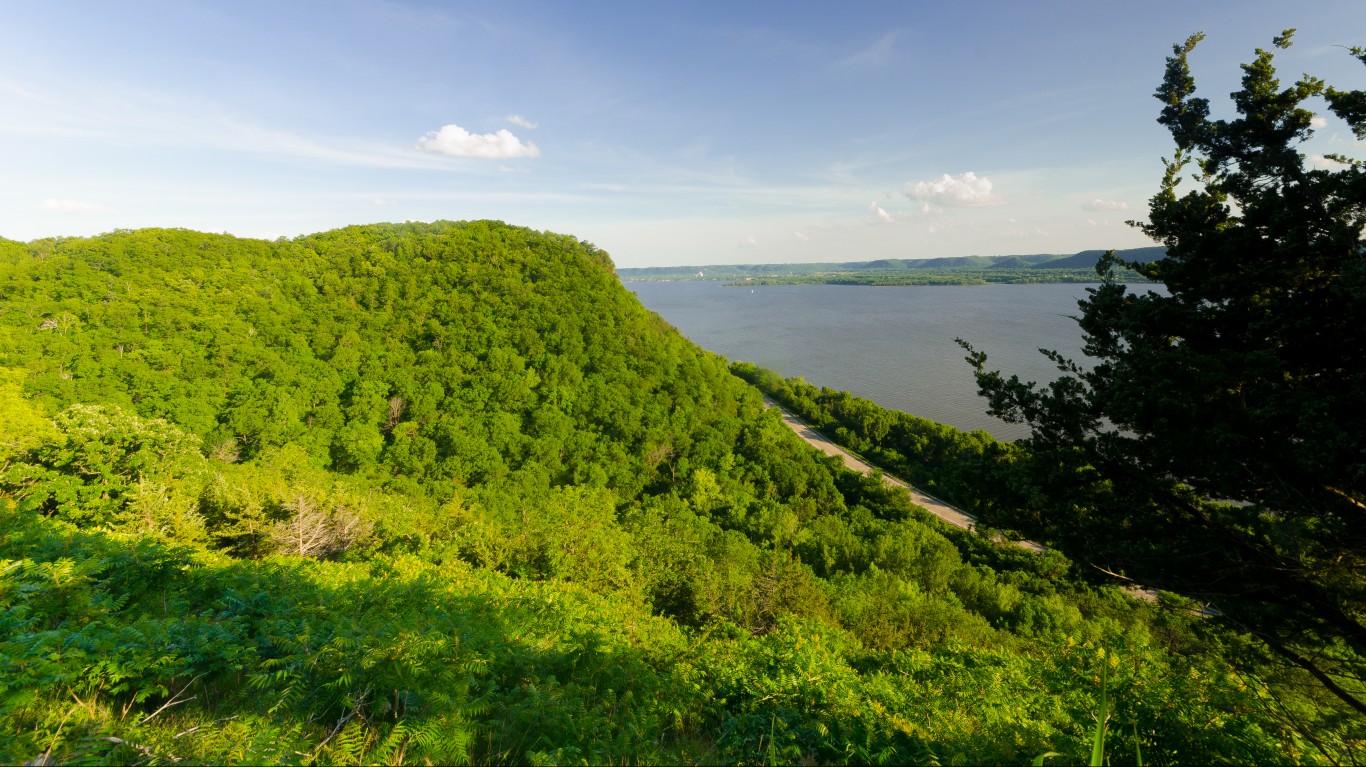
(1087, 258)
(951, 270)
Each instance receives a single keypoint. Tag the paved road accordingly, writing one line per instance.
(954, 516)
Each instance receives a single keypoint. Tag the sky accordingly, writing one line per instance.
(664, 133)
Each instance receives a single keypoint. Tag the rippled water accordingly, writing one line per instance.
(891, 345)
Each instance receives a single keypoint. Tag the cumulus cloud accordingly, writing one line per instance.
(455, 141)
(749, 241)
(880, 214)
(521, 121)
(801, 236)
(1099, 204)
(73, 206)
(1317, 122)
(963, 191)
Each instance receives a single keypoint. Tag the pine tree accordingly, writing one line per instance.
(1215, 443)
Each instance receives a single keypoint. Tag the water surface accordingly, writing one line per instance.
(892, 345)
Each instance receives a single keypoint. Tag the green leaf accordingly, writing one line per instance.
(1102, 717)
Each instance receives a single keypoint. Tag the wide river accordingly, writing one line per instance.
(892, 345)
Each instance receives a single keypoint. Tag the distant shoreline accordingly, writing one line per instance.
(1032, 269)
(931, 279)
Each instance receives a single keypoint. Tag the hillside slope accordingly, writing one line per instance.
(447, 492)
(1087, 259)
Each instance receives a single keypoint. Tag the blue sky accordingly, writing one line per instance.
(664, 133)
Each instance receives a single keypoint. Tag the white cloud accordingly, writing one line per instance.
(455, 141)
(73, 206)
(132, 117)
(749, 241)
(1099, 204)
(1317, 122)
(1016, 229)
(1323, 163)
(879, 53)
(801, 236)
(966, 190)
(880, 214)
(521, 121)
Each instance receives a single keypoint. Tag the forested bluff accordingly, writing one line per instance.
(447, 493)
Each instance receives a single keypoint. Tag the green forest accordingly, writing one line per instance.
(446, 493)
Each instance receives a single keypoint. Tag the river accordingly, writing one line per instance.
(893, 345)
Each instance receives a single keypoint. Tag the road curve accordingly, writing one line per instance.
(954, 516)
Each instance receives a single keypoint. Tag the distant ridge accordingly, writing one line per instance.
(1085, 260)
(1088, 258)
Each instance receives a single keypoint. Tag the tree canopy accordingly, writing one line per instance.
(1214, 443)
(447, 492)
